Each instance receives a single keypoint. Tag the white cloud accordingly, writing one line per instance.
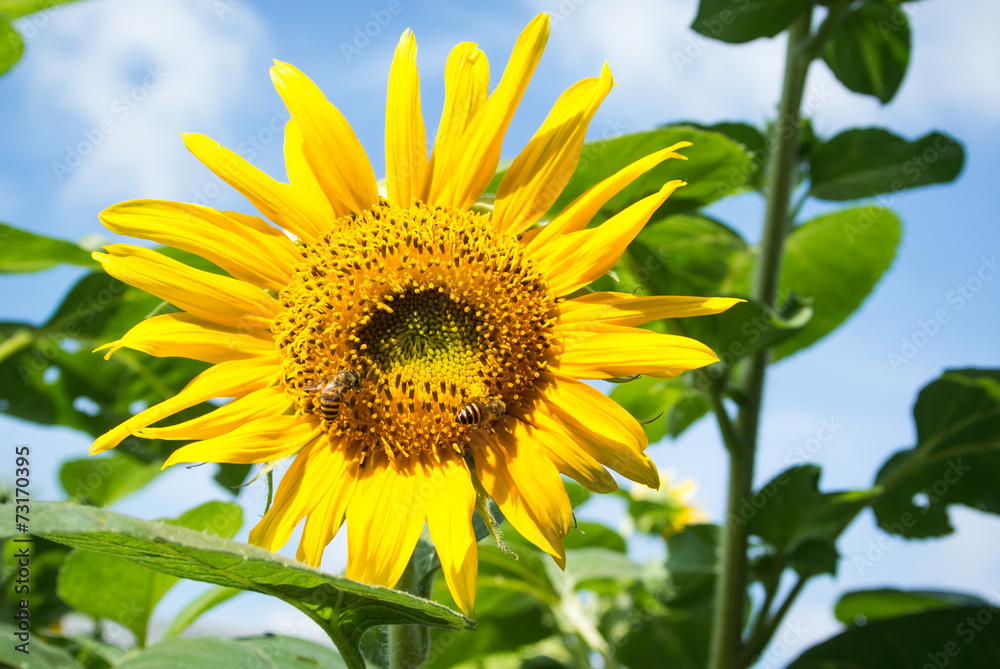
(123, 78)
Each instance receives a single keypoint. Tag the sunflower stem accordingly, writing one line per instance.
(409, 644)
(727, 632)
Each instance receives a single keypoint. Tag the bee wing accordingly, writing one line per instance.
(315, 384)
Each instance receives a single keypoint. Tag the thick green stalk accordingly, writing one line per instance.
(408, 644)
(727, 641)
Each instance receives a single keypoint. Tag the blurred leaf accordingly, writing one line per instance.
(647, 397)
(106, 586)
(576, 492)
(834, 261)
(867, 162)
(11, 50)
(46, 560)
(790, 511)
(265, 652)
(496, 633)
(232, 476)
(710, 168)
(343, 608)
(943, 638)
(956, 459)
(18, 8)
(40, 656)
(870, 49)
(692, 555)
(197, 607)
(22, 251)
(738, 22)
(871, 605)
(89, 652)
(101, 481)
(594, 535)
(593, 568)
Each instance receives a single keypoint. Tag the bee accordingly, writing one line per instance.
(331, 388)
(481, 411)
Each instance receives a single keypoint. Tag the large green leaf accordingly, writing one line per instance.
(11, 49)
(46, 560)
(343, 608)
(264, 652)
(106, 586)
(870, 49)
(867, 162)
(709, 170)
(865, 606)
(738, 22)
(956, 638)
(834, 261)
(800, 523)
(23, 251)
(956, 459)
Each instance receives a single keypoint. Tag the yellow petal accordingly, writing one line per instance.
(228, 417)
(319, 467)
(478, 152)
(466, 81)
(264, 257)
(226, 379)
(449, 519)
(331, 148)
(384, 519)
(633, 351)
(540, 172)
(278, 201)
(301, 176)
(263, 440)
(324, 521)
(599, 426)
(589, 311)
(567, 455)
(525, 485)
(185, 336)
(405, 138)
(580, 212)
(219, 299)
(572, 261)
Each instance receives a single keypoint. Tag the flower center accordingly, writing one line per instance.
(432, 309)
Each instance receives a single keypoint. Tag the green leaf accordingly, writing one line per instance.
(594, 535)
(956, 459)
(709, 169)
(738, 22)
(834, 261)
(343, 608)
(40, 655)
(106, 586)
(497, 633)
(265, 652)
(865, 606)
(101, 481)
(790, 512)
(646, 397)
(11, 50)
(867, 162)
(46, 560)
(750, 138)
(18, 8)
(197, 607)
(870, 49)
(688, 255)
(232, 476)
(576, 492)
(22, 251)
(958, 638)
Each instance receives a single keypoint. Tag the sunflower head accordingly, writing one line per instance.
(414, 352)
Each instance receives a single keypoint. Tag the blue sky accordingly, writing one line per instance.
(125, 78)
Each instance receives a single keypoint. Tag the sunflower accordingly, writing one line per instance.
(414, 352)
